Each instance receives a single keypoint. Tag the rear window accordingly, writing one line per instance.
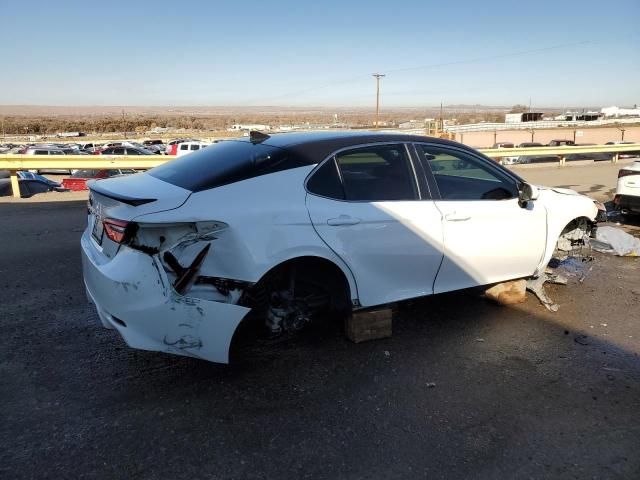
(224, 163)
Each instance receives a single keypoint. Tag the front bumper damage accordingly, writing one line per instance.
(134, 296)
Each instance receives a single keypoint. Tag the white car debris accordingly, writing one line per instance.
(286, 228)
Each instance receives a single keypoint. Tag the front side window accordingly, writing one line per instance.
(184, 147)
(195, 147)
(462, 176)
(132, 151)
(377, 173)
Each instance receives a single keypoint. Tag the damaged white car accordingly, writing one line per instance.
(282, 229)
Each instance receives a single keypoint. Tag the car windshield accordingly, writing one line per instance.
(221, 164)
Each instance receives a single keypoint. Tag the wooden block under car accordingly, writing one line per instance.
(508, 293)
(369, 325)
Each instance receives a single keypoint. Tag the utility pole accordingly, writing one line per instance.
(441, 129)
(378, 76)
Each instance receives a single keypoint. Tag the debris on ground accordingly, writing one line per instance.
(508, 293)
(616, 241)
(571, 267)
(536, 286)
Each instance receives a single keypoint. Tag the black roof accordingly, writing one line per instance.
(240, 159)
(316, 146)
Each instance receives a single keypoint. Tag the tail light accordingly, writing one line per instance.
(626, 173)
(118, 231)
(174, 149)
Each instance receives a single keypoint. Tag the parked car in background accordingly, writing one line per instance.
(561, 143)
(45, 150)
(90, 147)
(346, 221)
(594, 156)
(122, 150)
(170, 146)
(79, 178)
(157, 141)
(536, 158)
(157, 149)
(631, 154)
(505, 160)
(627, 197)
(29, 183)
(7, 147)
(188, 147)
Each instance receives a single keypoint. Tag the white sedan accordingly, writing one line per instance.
(292, 226)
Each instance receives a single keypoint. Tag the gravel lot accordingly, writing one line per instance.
(464, 389)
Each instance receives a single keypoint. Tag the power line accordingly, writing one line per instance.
(424, 67)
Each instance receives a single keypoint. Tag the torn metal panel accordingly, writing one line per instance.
(536, 286)
(150, 315)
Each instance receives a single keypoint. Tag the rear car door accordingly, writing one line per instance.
(368, 207)
(488, 236)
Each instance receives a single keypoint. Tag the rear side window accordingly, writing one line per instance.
(377, 173)
(184, 147)
(41, 152)
(326, 182)
(224, 163)
(195, 147)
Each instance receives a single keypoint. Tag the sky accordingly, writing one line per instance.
(296, 53)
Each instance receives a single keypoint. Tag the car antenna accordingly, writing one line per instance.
(257, 137)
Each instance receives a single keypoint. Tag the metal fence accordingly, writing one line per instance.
(491, 127)
(15, 163)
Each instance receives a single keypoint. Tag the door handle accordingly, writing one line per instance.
(456, 217)
(343, 220)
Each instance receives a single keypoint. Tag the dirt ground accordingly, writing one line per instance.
(463, 389)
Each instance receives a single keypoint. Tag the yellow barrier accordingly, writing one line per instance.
(14, 163)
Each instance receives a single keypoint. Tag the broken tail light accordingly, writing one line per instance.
(118, 231)
(626, 173)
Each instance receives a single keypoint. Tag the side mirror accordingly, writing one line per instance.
(528, 193)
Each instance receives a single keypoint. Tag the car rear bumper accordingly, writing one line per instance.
(133, 296)
(631, 203)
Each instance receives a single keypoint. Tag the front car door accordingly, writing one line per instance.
(488, 236)
(368, 207)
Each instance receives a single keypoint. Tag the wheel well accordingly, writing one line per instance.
(258, 296)
(319, 268)
(573, 224)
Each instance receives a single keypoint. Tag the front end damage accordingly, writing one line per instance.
(571, 257)
(157, 294)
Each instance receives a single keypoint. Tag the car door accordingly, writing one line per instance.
(489, 236)
(367, 206)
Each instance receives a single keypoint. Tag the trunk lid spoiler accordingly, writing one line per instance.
(129, 197)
